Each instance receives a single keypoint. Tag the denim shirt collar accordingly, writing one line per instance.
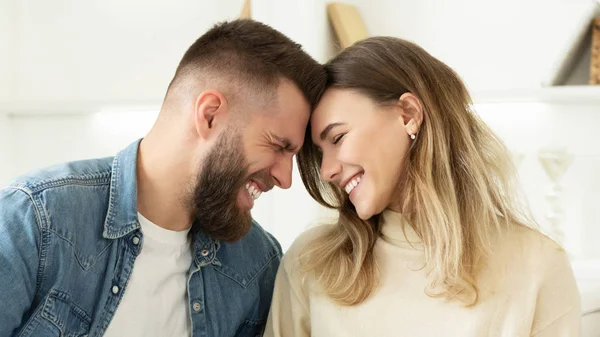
(121, 218)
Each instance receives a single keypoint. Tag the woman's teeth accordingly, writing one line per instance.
(352, 184)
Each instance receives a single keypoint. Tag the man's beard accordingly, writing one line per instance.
(215, 206)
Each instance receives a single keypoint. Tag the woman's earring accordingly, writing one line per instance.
(413, 136)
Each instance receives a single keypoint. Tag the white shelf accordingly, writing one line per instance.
(585, 94)
(74, 108)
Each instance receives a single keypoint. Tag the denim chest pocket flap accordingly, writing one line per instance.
(71, 320)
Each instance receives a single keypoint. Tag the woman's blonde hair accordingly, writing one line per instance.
(457, 186)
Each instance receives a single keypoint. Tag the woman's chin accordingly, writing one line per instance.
(365, 212)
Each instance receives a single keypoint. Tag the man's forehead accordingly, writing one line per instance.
(288, 91)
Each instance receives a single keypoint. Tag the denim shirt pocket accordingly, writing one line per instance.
(60, 317)
(251, 329)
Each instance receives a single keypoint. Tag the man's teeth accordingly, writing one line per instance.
(254, 192)
(352, 184)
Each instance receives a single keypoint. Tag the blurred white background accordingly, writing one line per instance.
(83, 79)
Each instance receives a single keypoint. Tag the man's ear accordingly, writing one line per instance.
(412, 113)
(210, 112)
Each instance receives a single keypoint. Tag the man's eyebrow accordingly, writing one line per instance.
(327, 129)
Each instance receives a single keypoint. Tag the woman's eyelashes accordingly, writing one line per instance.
(337, 138)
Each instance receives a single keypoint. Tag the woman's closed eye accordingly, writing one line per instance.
(337, 138)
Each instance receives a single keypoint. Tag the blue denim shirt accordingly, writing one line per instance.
(67, 250)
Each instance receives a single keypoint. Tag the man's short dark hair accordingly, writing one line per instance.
(250, 56)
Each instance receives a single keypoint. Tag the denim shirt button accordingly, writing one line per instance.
(204, 252)
(136, 240)
(196, 306)
(115, 290)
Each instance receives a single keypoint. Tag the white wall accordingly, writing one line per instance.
(492, 44)
(7, 40)
(6, 78)
(6, 159)
(47, 140)
(303, 21)
(106, 50)
(529, 128)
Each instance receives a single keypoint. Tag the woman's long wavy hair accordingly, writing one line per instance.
(458, 185)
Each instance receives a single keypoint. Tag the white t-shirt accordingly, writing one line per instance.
(155, 302)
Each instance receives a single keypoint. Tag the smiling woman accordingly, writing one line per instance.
(431, 239)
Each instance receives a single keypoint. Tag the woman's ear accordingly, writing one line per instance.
(412, 113)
